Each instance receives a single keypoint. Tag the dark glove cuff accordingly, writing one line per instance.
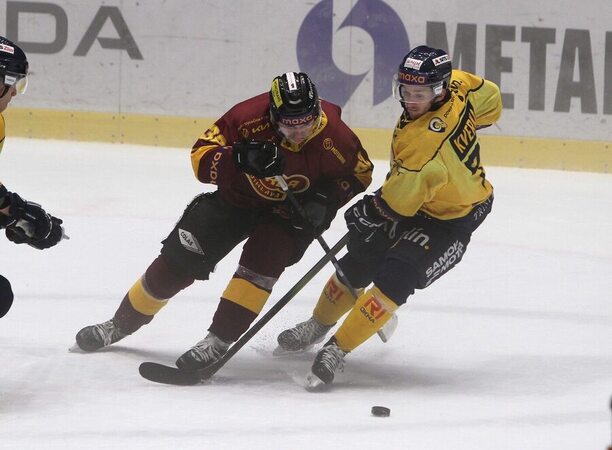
(383, 209)
(4, 197)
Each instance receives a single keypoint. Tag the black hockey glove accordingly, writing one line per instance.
(258, 158)
(369, 232)
(363, 220)
(28, 223)
(320, 208)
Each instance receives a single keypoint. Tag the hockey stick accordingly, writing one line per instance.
(161, 373)
(300, 209)
(297, 287)
(387, 330)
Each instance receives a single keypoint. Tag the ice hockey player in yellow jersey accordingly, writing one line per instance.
(24, 222)
(417, 225)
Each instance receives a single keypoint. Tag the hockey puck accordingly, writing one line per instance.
(381, 411)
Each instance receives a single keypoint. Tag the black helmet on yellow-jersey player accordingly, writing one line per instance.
(423, 66)
(13, 67)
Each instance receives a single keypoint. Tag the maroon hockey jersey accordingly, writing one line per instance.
(332, 154)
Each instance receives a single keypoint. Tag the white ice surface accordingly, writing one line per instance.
(510, 350)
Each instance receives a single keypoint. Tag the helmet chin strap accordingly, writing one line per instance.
(436, 105)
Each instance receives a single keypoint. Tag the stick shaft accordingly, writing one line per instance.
(297, 287)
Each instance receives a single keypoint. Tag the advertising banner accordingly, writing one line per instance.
(196, 58)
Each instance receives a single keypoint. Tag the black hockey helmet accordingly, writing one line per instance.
(424, 66)
(294, 99)
(13, 66)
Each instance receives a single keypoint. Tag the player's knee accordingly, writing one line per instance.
(163, 280)
(398, 280)
(6, 296)
(359, 274)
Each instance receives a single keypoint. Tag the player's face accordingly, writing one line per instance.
(296, 134)
(417, 100)
(7, 97)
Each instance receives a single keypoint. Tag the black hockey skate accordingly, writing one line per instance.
(203, 354)
(301, 337)
(95, 337)
(329, 359)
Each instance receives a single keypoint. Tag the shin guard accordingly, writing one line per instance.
(371, 311)
(240, 304)
(335, 300)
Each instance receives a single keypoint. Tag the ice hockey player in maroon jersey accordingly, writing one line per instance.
(417, 225)
(24, 222)
(287, 131)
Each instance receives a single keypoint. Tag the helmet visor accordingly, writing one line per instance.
(297, 130)
(415, 93)
(18, 80)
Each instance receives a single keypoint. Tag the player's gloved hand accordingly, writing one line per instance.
(320, 208)
(258, 158)
(369, 232)
(28, 223)
(362, 218)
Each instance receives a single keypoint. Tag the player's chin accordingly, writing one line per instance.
(415, 113)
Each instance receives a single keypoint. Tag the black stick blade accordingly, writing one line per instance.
(160, 373)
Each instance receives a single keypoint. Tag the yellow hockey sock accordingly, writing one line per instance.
(142, 300)
(246, 294)
(371, 311)
(334, 302)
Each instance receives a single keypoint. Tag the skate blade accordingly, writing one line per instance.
(76, 349)
(280, 352)
(314, 384)
(388, 329)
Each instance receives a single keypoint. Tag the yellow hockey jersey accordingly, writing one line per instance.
(2, 132)
(435, 159)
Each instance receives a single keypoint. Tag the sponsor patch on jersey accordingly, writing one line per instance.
(7, 49)
(440, 60)
(412, 63)
(269, 189)
(436, 124)
(190, 242)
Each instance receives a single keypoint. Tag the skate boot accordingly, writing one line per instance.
(203, 354)
(301, 337)
(329, 359)
(95, 337)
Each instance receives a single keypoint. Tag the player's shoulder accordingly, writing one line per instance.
(463, 82)
(335, 124)
(2, 130)
(251, 111)
(332, 111)
(251, 106)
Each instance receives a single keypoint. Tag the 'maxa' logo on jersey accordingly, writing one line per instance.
(269, 189)
(372, 309)
(214, 167)
(417, 236)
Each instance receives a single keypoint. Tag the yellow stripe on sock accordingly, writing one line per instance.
(246, 294)
(371, 311)
(335, 301)
(143, 302)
